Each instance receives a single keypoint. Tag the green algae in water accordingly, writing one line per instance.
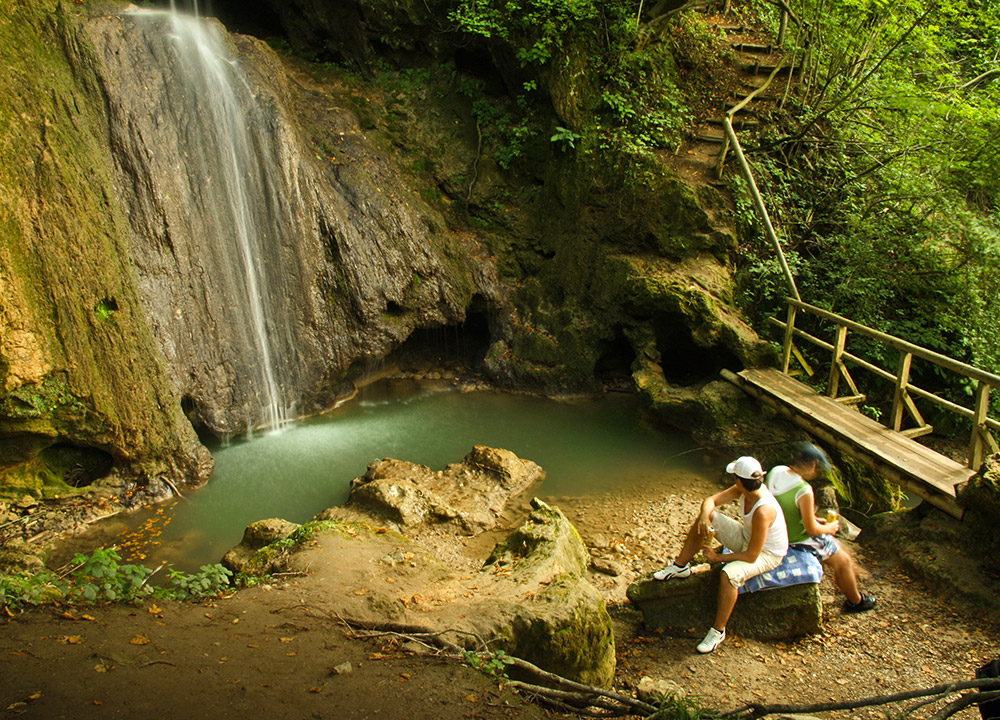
(586, 446)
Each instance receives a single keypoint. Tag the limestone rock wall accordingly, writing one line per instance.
(348, 260)
(81, 376)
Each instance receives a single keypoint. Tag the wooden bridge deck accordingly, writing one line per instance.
(920, 470)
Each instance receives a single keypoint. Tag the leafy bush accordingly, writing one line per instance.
(100, 577)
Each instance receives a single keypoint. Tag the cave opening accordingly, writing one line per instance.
(249, 17)
(613, 368)
(474, 59)
(685, 362)
(78, 465)
(459, 348)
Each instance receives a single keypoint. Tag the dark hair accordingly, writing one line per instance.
(807, 454)
(751, 484)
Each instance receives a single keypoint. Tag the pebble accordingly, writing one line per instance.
(344, 668)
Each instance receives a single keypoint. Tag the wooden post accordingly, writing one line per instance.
(786, 347)
(902, 380)
(979, 413)
(838, 353)
(759, 203)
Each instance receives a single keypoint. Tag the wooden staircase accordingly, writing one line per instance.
(758, 63)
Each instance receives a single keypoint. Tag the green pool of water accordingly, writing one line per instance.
(586, 446)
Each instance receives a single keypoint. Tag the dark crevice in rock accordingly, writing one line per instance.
(683, 360)
(614, 363)
(79, 466)
(464, 344)
(250, 17)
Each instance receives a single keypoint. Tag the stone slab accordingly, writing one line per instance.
(686, 607)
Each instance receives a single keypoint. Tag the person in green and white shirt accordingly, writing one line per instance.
(790, 486)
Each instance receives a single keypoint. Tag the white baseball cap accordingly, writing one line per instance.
(745, 467)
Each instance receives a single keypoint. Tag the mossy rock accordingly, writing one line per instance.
(686, 607)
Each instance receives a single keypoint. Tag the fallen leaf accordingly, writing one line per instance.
(67, 616)
(471, 698)
(34, 696)
(253, 645)
(235, 620)
(291, 654)
(91, 618)
(98, 702)
(154, 609)
(70, 640)
(139, 640)
(103, 667)
(315, 690)
(286, 639)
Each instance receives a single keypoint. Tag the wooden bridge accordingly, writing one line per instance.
(890, 449)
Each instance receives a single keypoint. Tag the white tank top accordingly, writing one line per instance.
(776, 540)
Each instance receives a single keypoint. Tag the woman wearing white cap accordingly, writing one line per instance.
(758, 543)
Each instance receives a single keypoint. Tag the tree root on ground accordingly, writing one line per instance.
(588, 701)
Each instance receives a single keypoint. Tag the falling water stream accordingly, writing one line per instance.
(235, 182)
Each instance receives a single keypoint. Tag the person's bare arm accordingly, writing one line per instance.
(709, 505)
(762, 520)
(814, 526)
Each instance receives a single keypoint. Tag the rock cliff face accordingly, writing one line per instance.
(267, 264)
(196, 230)
(83, 389)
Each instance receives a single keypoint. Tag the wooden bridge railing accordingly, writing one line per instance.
(905, 391)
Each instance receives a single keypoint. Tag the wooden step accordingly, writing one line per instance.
(706, 137)
(761, 69)
(753, 48)
(737, 122)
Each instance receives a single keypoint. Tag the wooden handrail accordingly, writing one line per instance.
(944, 361)
(886, 375)
(902, 400)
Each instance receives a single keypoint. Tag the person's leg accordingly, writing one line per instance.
(725, 602)
(728, 595)
(679, 568)
(692, 544)
(845, 575)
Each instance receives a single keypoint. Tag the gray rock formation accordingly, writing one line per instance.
(270, 259)
(471, 494)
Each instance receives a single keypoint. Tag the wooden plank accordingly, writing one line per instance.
(910, 457)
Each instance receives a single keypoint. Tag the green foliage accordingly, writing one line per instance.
(885, 185)
(565, 137)
(626, 86)
(210, 580)
(100, 577)
(493, 664)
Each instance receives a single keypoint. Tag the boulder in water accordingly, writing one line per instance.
(472, 493)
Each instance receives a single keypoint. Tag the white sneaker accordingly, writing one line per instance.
(711, 641)
(673, 570)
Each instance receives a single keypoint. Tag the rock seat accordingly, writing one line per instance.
(687, 607)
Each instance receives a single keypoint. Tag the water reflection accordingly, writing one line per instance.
(586, 446)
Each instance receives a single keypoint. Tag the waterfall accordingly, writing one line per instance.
(234, 179)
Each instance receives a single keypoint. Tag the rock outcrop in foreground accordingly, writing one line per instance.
(407, 550)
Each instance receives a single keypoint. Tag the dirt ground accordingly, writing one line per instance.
(281, 650)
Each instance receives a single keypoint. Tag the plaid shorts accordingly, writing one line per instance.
(822, 546)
